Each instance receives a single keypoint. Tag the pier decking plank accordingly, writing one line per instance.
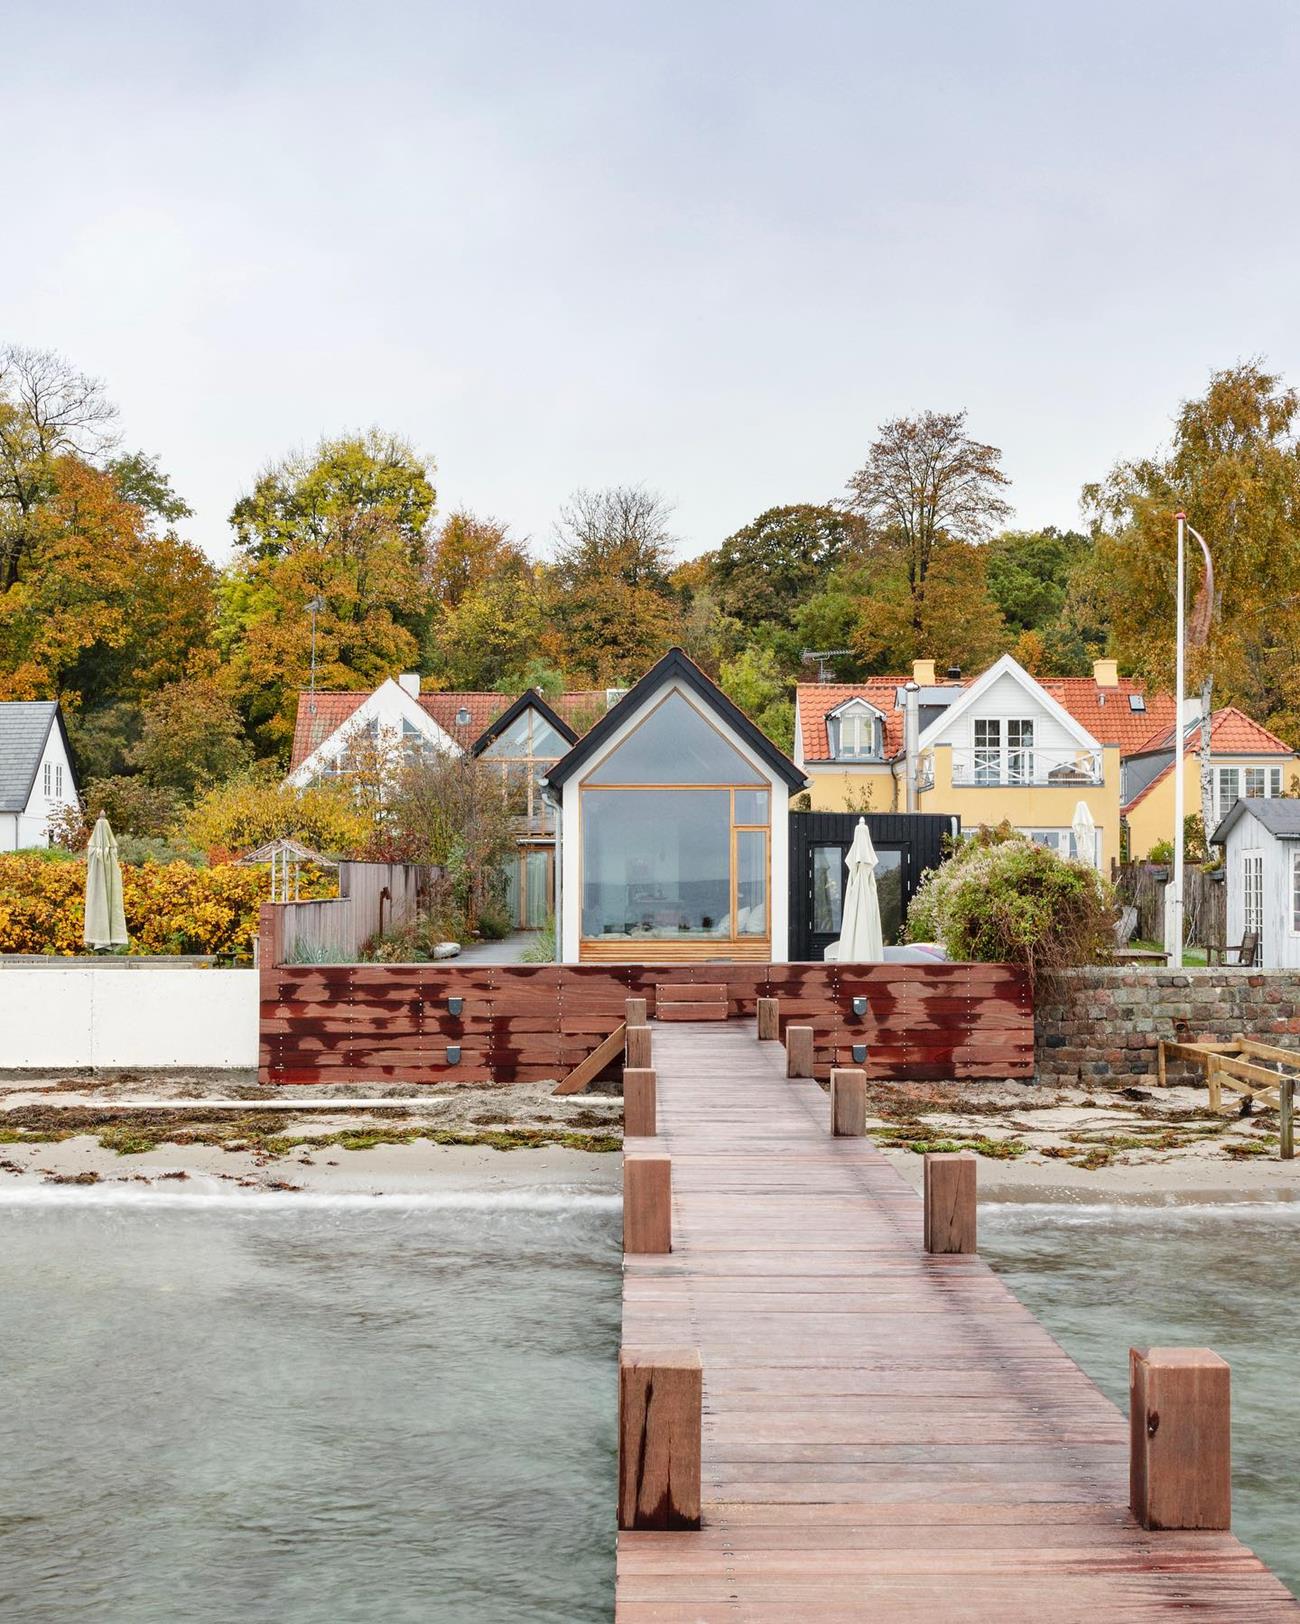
(887, 1435)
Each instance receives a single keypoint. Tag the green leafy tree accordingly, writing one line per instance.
(756, 683)
(192, 735)
(492, 635)
(768, 568)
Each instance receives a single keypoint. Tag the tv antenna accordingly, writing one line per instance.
(822, 656)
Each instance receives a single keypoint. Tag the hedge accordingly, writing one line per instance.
(170, 907)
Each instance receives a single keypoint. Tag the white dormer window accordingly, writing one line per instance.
(855, 734)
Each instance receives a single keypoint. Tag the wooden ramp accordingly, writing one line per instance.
(886, 1435)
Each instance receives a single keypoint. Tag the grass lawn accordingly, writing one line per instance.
(1191, 955)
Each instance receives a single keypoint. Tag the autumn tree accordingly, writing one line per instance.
(613, 604)
(192, 734)
(926, 481)
(49, 411)
(468, 551)
(492, 634)
(345, 526)
(1234, 468)
(956, 622)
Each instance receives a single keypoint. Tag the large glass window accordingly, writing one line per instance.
(751, 882)
(656, 862)
(828, 889)
(674, 744)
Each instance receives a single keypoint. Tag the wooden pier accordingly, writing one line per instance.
(886, 1435)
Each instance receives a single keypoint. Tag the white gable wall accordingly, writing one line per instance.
(390, 705)
(1006, 698)
(31, 827)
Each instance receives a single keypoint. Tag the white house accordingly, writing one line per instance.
(36, 777)
(1261, 859)
(674, 830)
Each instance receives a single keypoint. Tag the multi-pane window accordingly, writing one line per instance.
(58, 781)
(988, 750)
(1261, 782)
(49, 775)
(1295, 893)
(857, 734)
(1229, 789)
(1252, 891)
(1020, 750)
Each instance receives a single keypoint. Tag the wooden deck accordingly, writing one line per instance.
(886, 1435)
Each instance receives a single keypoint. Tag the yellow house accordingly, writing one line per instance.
(1246, 760)
(1003, 746)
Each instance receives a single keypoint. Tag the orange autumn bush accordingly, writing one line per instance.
(170, 907)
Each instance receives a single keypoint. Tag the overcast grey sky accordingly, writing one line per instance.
(704, 246)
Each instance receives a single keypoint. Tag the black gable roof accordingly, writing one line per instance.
(530, 699)
(675, 666)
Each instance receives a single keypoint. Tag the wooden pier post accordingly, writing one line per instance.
(1180, 1447)
(769, 1020)
(848, 1103)
(635, 1012)
(636, 1047)
(647, 1202)
(950, 1201)
(798, 1051)
(1286, 1117)
(660, 1419)
(640, 1117)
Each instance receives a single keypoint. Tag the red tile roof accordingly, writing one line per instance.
(579, 709)
(1104, 711)
(818, 699)
(1232, 733)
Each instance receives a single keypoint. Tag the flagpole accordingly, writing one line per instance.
(1175, 912)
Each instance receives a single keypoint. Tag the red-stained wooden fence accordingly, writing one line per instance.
(351, 1023)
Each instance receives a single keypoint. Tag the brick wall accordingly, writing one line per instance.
(1101, 1026)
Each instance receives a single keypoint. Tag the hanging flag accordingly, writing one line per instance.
(1198, 624)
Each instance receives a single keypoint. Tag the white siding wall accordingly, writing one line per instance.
(1279, 945)
(32, 825)
(1005, 699)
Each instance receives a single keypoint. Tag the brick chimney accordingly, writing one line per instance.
(1105, 673)
(923, 673)
(410, 680)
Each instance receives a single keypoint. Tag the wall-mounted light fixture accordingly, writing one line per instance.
(453, 1054)
(859, 1006)
(455, 1006)
(859, 1052)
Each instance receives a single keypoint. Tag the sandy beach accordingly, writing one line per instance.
(1148, 1146)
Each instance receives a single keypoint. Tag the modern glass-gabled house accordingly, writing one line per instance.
(523, 744)
(673, 830)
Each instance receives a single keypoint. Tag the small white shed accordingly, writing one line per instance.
(1261, 852)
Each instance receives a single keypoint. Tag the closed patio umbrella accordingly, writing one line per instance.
(861, 939)
(105, 917)
(1085, 835)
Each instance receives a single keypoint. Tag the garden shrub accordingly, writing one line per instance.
(170, 907)
(1000, 898)
(245, 813)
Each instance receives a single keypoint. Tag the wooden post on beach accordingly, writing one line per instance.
(950, 1201)
(1286, 1117)
(640, 1119)
(1180, 1446)
(848, 1103)
(769, 1020)
(660, 1419)
(798, 1051)
(635, 1012)
(636, 1047)
(647, 1202)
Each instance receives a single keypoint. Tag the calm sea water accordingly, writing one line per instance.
(308, 1412)
(1103, 1279)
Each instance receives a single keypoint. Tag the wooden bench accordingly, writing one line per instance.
(691, 1001)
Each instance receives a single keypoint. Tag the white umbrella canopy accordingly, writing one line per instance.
(1085, 835)
(861, 939)
(105, 916)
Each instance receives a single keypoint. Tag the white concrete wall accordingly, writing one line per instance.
(80, 1014)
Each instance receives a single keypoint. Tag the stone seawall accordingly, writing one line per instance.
(1100, 1028)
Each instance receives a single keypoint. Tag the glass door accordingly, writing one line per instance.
(537, 887)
